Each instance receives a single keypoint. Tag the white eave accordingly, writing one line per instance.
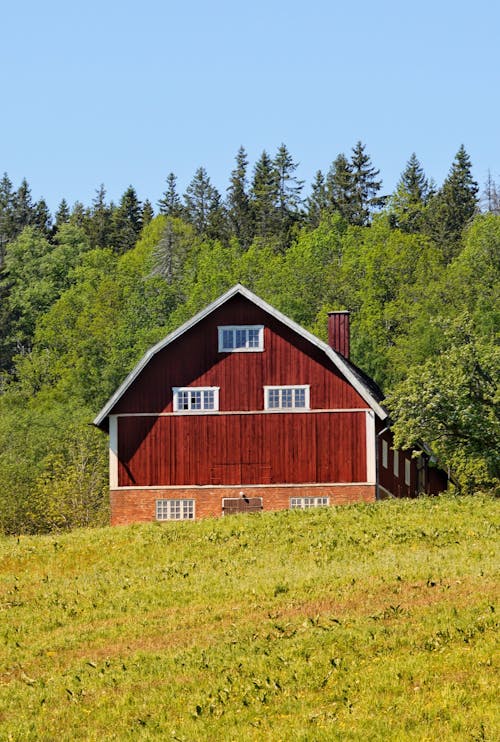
(335, 357)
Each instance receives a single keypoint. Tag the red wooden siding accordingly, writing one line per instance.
(266, 448)
(193, 359)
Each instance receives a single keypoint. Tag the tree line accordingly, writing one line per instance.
(83, 296)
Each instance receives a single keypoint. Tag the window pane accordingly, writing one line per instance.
(300, 397)
(208, 400)
(253, 338)
(195, 400)
(274, 398)
(286, 397)
(183, 401)
(240, 338)
(227, 339)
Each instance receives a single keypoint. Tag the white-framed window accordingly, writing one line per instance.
(304, 503)
(396, 464)
(241, 338)
(175, 510)
(407, 472)
(286, 397)
(385, 454)
(196, 398)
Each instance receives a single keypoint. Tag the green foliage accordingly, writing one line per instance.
(369, 622)
(453, 403)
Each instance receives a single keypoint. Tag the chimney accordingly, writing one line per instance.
(338, 332)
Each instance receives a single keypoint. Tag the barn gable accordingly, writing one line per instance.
(307, 342)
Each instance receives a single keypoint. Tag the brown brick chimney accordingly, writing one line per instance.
(338, 332)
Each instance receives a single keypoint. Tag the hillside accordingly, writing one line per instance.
(358, 623)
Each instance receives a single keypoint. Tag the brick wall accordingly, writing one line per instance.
(138, 505)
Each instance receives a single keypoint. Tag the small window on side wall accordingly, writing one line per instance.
(175, 510)
(304, 503)
(195, 399)
(385, 454)
(396, 464)
(407, 472)
(286, 397)
(241, 338)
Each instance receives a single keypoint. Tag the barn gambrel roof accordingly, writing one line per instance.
(365, 386)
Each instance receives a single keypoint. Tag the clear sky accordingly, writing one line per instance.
(120, 92)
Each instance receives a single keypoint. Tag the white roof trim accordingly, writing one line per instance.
(336, 358)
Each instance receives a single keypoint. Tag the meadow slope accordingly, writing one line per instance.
(372, 622)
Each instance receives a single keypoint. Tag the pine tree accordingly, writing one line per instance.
(170, 202)
(289, 189)
(340, 188)
(79, 215)
(126, 222)
(407, 204)
(317, 202)
(200, 199)
(264, 197)
(453, 206)
(365, 187)
(238, 202)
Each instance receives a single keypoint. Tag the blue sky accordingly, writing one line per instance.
(124, 92)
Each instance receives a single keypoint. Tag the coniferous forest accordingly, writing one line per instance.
(85, 291)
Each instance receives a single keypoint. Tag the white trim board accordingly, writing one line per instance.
(335, 357)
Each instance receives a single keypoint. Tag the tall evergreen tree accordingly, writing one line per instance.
(23, 209)
(453, 206)
(289, 189)
(201, 198)
(317, 202)
(126, 222)
(264, 197)
(100, 222)
(170, 203)
(340, 188)
(79, 215)
(42, 219)
(407, 204)
(62, 214)
(491, 196)
(238, 202)
(365, 187)
(7, 231)
(147, 212)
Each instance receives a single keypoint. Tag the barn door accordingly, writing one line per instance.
(233, 505)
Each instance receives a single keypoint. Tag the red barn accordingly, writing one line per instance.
(241, 409)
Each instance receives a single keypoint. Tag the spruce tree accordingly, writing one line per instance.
(453, 206)
(200, 199)
(126, 222)
(7, 231)
(264, 197)
(42, 219)
(491, 196)
(407, 204)
(23, 209)
(170, 202)
(289, 189)
(317, 202)
(238, 202)
(100, 226)
(365, 187)
(147, 212)
(62, 214)
(340, 188)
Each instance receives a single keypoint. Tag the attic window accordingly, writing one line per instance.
(196, 399)
(286, 397)
(241, 338)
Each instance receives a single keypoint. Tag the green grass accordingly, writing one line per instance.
(372, 622)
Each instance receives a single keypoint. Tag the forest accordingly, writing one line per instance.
(84, 292)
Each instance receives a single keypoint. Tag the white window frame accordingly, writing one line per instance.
(225, 347)
(280, 389)
(175, 509)
(407, 472)
(305, 503)
(395, 464)
(178, 390)
(385, 454)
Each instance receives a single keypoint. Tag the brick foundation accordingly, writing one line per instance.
(138, 505)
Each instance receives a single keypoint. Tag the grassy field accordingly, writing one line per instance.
(373, 622)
